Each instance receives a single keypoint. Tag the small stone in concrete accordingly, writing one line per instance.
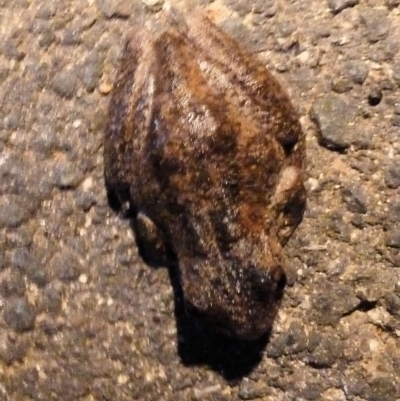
(392, 176)
(341, 84)
(19, 314)
(392, 237)
(337, 6)
(66, 265)
(355, 198)
(64, 83)
(12, 211)
(30, 266)
(357, 71)
(66, 175)
(250, 390)
(333, 116)
(115, 8)
(376, 23)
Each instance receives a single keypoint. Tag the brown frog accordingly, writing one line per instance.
(205, 146)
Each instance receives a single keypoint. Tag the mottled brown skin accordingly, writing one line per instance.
(205, 145)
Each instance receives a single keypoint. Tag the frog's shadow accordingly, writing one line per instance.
(199, 343)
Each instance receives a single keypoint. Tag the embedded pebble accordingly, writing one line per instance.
(392, 237)
(394, 209)
(13, 210)
(12, 284)
(393, 304)
(392, 176)
(291, 342)
(45, 141)
(44, 31)
(341, 84)
(250, 390)
(115, 8)
(395, 120)
(46, 9)
(12, 120)
(337, 224)
(152, 3)
(355, 198)
(334, 132)
(52, 298)
(12, 47)
(66, 175)
(90, 71)
(66, 265)
(326, 353)
(85, 200)
(357, 71)
(200, 394)
(64, 83)
(333, 302)
(376, 23)
(19, 314)
(71, 37)
(381, 389)
(12, 349)
(30, 266)
(339, 5)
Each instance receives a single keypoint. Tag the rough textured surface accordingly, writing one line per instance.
(105, 327)
(207, 150)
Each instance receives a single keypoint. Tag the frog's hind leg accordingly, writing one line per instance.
(150, 241)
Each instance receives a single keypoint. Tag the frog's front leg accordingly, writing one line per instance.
(150, 241)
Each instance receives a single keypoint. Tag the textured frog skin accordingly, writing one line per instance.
(204, 144)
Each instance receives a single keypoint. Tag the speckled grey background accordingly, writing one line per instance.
(83, 318)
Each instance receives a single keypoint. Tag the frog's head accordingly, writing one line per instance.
(239, 296)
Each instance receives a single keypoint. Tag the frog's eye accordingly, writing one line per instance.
(260, 283)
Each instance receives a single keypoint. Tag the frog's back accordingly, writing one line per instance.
(198, 125)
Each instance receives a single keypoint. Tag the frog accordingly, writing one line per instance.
(205, 146)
